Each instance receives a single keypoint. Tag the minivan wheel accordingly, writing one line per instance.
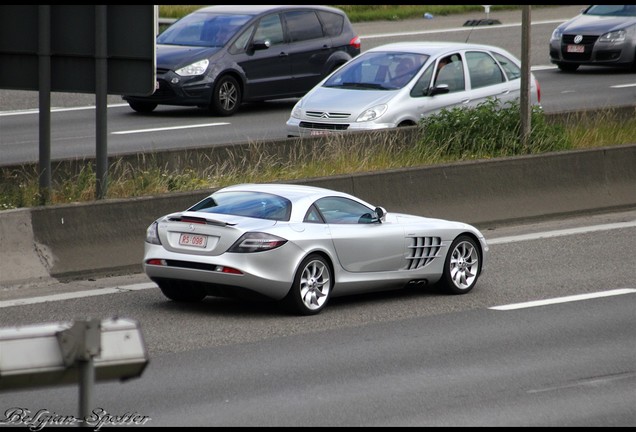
(226, 98)
(142, 107)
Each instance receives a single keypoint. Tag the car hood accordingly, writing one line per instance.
(177, 56)
(332, 99)
(596, 25)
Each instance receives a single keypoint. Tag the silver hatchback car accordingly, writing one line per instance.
(398, 84)
(601, 35)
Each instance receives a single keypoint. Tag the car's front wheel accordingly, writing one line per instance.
(462, 266)
(142, 107)
(311, 287)
(181, 291)
(227, 96)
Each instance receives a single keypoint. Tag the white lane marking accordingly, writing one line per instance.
(563, 232)
(54, 110)
(169, 128)
(456, 29)
(564, 299)
(77, 294)
(623, 86)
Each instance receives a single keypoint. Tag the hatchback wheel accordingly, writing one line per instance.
(226, 98)
(311, 288)
(142, 107)
(181, 291)
(462, 266)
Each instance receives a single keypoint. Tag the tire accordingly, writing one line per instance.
(181, 291)
(311, 287)
(567, 67)
(462, 266)
(227, 97)
(142, 107)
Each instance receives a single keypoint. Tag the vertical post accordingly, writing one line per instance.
(101, 91)
(44, 94)
(89, 336)
(525, 101)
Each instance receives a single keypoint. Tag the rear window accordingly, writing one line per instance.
(244, 203)
(332, 23)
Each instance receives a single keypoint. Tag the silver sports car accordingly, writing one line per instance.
(301, 245)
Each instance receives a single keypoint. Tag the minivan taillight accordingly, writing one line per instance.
(538, 91)
(355, 42)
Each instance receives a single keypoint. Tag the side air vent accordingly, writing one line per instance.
(422, 251)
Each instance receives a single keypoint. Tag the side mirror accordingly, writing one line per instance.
(381, 214)
(260, 45)
(438, 89)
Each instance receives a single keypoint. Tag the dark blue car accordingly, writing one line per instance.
(221, 56)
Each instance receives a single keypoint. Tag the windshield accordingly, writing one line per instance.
(612, 10)
(203, 29)
(378, 71)
(250, 204)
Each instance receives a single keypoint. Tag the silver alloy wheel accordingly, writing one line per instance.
(464, 265)
(228, 95)
(315, 284)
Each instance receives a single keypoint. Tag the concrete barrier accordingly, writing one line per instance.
(106, 237)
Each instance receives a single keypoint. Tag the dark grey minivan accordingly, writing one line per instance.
(221, 56)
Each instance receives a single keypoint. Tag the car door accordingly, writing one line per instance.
(452, 74)
(361, 242)
(309, 49)
(267, 71)
(487, 79)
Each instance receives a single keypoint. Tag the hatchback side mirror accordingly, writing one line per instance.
(261, 45)
(438, 89)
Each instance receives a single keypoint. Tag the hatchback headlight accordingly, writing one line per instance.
(556, 34)
(614, 36)
(372, 113)
(297, 111)
(194, 69)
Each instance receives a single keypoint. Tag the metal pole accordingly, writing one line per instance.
(525, 77)
(44, 84)
(87, 382)
(101, 91)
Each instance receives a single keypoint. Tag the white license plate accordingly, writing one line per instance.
(317, 132)
(195, 240)
(576, 48)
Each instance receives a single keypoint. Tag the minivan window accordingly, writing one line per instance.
(331, 23)
(303, 25)
(270, 28)
(203, 29)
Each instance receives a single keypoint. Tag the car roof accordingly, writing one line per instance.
(432, 47)
(259, 9)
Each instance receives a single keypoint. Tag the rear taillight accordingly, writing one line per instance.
(355, 42)
(538, 91)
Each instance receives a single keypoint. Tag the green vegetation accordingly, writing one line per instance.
(358, 13)
(484, 132)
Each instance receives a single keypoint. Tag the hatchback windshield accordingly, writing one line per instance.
(203, 29)
(612, 10)
(378, 71)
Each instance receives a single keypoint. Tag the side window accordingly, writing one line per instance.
(313, 215)
(270, 28)
(240, 44)
(450, 71)
(483, 70)
(303, 25)
(331, 23)
(337, 210)
(422, 85)
(510, 68)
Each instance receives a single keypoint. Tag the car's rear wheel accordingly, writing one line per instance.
(462, 266)
(227, 96)
(567, 67)
(311, 287)
(142, 107)
(181, 291)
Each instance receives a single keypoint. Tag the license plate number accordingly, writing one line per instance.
(576, 48)
(319, 132)
(195, 240)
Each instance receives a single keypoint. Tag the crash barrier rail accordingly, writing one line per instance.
(106, 237)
